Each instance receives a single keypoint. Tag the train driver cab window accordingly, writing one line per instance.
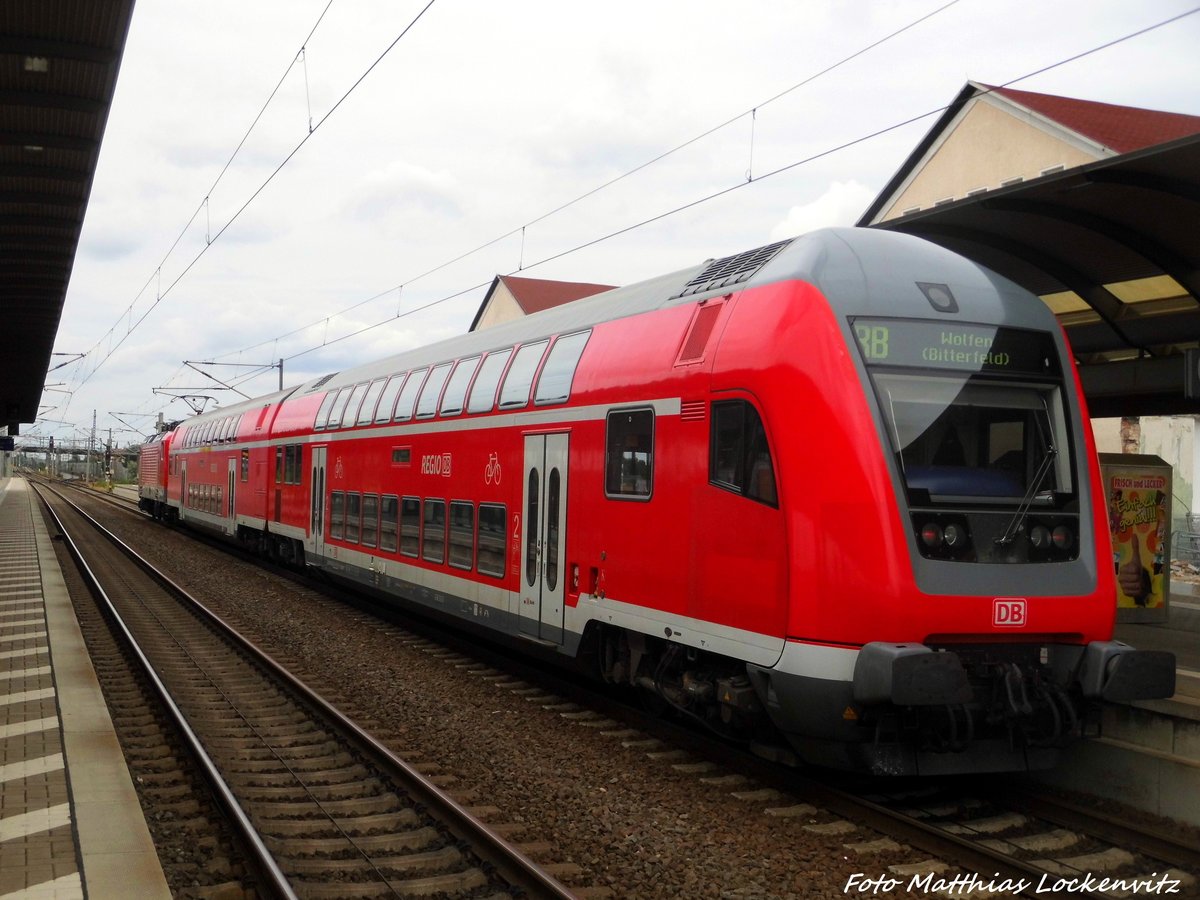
(456, 390)
(483, 391)
(739, 457)
(515, 392)
(408, 396)
(427, 405)
(629, 454)
(554, 384)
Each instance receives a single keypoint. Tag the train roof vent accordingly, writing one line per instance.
(732, 269)
(703, 322)
(320, 382)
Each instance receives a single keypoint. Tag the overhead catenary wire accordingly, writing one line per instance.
(625, 229)
(313, 128)
(526, 266)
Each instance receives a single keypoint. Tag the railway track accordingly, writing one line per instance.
(322, 809)
(1012, 840)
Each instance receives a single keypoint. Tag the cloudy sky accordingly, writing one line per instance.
(453, 158)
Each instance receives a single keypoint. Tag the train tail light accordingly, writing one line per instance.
(1063, 538)
(932, 535)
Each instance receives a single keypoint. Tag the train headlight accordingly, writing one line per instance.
(955, 536)
(1040, 537)
(1063, 538)
(931, 535)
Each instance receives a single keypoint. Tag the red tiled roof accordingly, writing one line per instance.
(535, 294)
(1120, 128)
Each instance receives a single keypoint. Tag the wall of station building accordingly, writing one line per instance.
(1174, 439)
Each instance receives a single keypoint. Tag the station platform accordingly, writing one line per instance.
(70, 822)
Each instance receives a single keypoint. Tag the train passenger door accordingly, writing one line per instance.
(229, 505)
(183, 489)
(544, 537)
(316, 520)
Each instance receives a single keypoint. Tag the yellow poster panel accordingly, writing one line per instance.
(1137, 518)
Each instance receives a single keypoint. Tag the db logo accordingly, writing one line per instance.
(1008, 612)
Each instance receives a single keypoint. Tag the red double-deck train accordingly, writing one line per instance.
(839, 489)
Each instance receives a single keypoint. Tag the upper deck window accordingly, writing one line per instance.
(554, 384)
(408, 396)
(323, 413)
(515, 391)
(456, 389)
(483, 391)
(339, 407)
(356, 399)
(366, 412)
(427, 405)
(387, 400)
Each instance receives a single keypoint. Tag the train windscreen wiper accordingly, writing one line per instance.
(1035, 484)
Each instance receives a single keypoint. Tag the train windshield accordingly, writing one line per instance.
(970, 438)
(974, 413)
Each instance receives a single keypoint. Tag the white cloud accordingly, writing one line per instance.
(841, 204)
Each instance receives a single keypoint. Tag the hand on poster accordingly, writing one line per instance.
(1132, 575)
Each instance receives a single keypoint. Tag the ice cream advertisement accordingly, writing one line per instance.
(1139, 520)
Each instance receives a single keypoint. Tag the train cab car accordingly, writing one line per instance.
(836, 495)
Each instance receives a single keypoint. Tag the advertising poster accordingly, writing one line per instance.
(1138, 493)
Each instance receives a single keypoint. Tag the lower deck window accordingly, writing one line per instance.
(388, 509)
(370, 520)
(353, 511)
(337, 514)
(433, 535)
(493, 521)
(410, 526)
(462, 534)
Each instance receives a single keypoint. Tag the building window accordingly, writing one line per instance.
(739, 458)
(462, 534)
(493, 523)
(433, 535)
(629, 456)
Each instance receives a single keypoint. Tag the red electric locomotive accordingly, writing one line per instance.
(839, 489)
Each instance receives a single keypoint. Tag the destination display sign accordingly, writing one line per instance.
(917, 343)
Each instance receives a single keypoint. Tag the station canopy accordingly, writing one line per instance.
(1111, 246)
(58, 70)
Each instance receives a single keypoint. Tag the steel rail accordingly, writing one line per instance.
(512, 865)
